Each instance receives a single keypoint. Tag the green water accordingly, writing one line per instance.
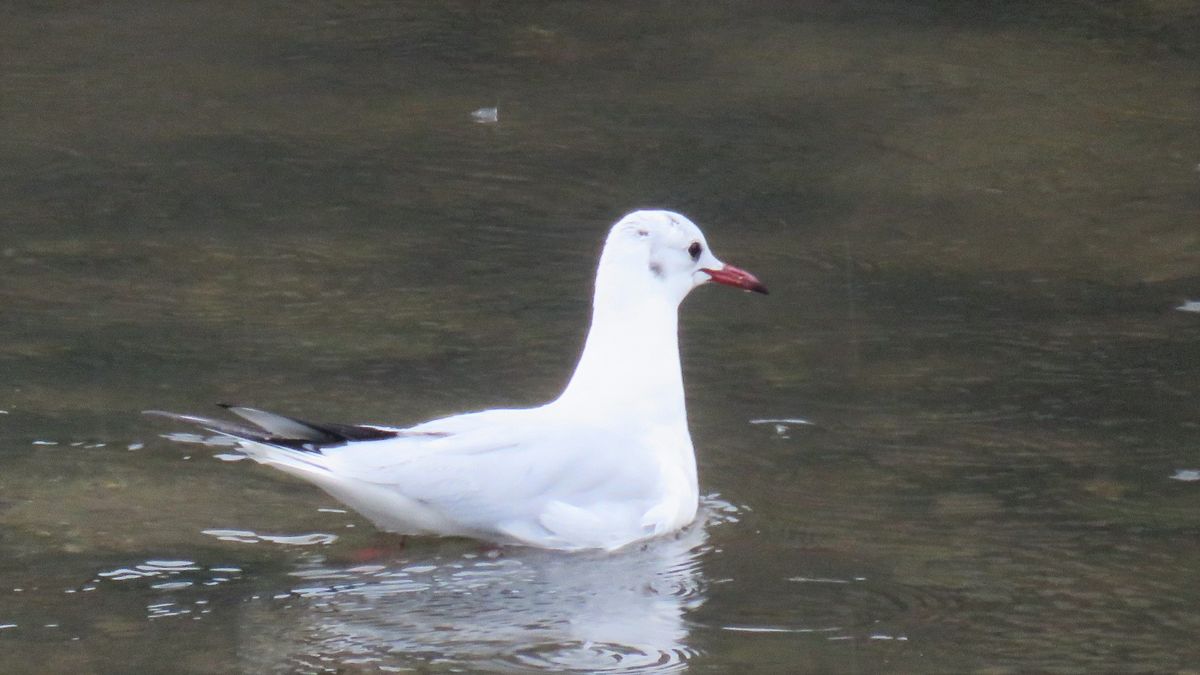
(976, 221)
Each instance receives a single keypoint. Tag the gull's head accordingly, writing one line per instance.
(664, 250)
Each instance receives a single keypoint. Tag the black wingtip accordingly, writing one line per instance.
(295, 434)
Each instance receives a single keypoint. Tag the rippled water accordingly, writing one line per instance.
(960, 435)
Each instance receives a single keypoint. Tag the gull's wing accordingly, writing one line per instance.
(516, 474)
(525, 476)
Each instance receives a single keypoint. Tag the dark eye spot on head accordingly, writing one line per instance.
(695, 250)
(656, 269)
(643, 233)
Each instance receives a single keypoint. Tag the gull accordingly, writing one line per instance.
(607, 463)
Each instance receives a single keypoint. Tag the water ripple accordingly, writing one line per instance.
(596, 657)
(248, 537)
(167, 578)
(520, 610)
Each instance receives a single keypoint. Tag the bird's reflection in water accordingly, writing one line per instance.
(522, 610)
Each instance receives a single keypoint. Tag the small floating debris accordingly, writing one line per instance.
(45, 442)
(783, 424)
(486, 115)
(137, 445)
(1187, 475)
(1189, 306)
(7, 625)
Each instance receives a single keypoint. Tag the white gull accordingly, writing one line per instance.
(607, 463)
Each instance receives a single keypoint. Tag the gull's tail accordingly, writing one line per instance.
(285, 442)
(299, 448)
(280, 431)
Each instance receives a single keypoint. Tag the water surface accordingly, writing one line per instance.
(977, 223)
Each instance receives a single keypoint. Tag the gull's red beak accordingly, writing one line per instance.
(736, 277)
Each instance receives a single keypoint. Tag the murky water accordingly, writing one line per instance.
(961, 434)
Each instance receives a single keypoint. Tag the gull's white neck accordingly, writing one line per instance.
(630, 361)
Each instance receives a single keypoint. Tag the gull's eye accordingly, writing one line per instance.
(695, 250)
